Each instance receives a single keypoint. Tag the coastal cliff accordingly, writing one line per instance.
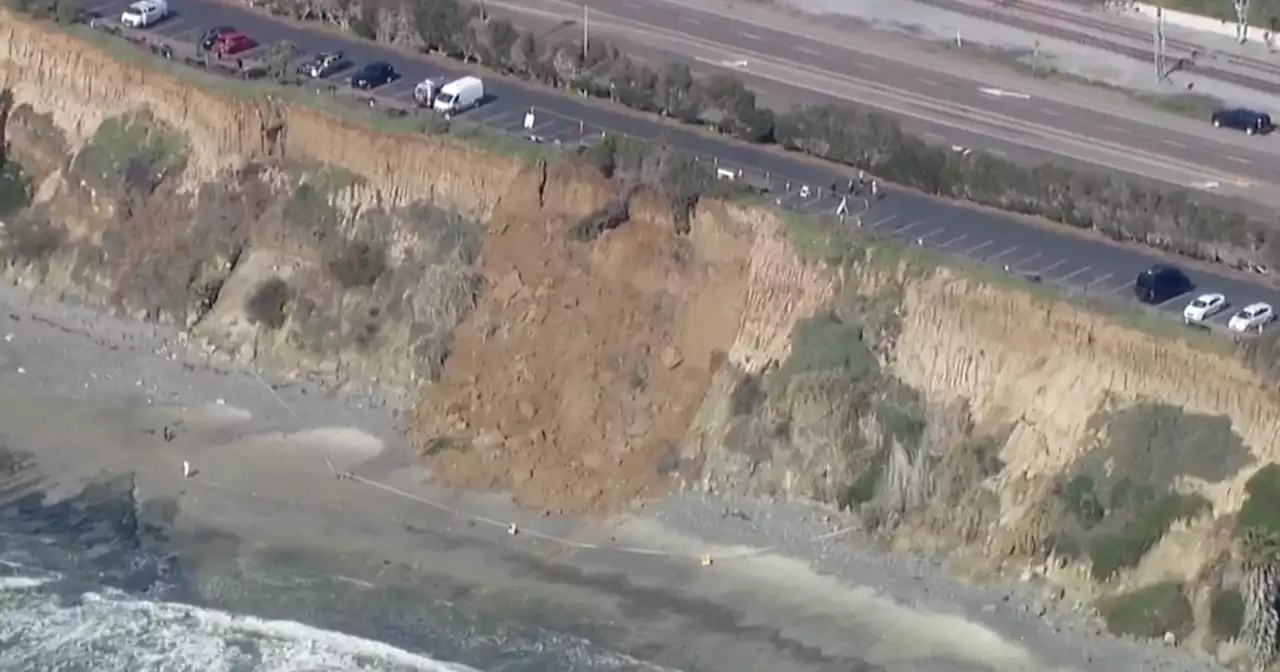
(746, 354)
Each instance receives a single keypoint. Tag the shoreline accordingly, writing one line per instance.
(88, 394)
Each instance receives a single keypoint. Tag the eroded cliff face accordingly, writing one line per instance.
(752, 355)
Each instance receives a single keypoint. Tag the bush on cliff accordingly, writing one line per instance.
(266, 306)
(61, 11)
(1164, 218)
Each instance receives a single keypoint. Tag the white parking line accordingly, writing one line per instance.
(931, 234)
(1174, 143)
(1126, 287)
(926, 81)
(749, 35)
(969, 252)
(897, 231)
(886, 220)
(1046, 269)
(1073, 274)
(1097, 281)
(1012, 249)
(1025, 260)
(807, 50)
(953, 241)
(1173, 299)
(1237, 159)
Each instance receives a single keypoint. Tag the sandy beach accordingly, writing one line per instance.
(86, 397)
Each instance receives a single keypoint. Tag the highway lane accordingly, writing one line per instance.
(1065, 258)
(1188, 154)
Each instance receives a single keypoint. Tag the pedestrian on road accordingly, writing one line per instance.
(875, 189)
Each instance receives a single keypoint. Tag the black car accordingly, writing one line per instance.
(1240, 119)
(210, 37)
(1161, 283)
(374, 75)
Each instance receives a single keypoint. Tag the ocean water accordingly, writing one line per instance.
(97, 581)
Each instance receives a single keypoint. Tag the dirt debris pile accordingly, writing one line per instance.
(735, 351)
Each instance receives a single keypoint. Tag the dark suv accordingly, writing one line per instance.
(1161, 283)
(1253, 123)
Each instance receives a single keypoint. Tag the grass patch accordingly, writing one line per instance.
(357, 264)
(134, 148)
(1149, 612)
(266, 306)
(1226, 614)
(863, 488)
(1124, 549)
(15, 189)
(1258, 523)
(826, 343)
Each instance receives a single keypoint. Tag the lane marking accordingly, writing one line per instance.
(1050, 113)
(935, 136)
(1126, 287)
(886, 220)
(690, 20)
(926, 81)
(1163, 304)
(1012, 249)
(953, 241)
(866, 66)
(1237, 159)
(1174, 143)
(1073, 274)
(969, 252)
(1001, 93)
(806, 50)
(1117, 129)
(997, 152)
(749, 35)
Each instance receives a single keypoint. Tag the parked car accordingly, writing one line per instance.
(1242, 119)
(232, 43)
(1252, 317)
(373, 75)
(323, 65)
(1161, 283)
(144, 13)
(210, 36)
(1203, 307)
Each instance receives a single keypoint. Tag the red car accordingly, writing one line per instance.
(232, 43)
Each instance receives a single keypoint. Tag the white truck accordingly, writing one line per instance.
(459, 95)
(144, 13)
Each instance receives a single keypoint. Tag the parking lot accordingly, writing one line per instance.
(1078, 264)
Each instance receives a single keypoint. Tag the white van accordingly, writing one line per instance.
(459, 95)
(144, 13)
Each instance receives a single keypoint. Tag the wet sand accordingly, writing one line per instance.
(89, 396)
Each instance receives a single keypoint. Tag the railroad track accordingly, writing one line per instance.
(1086, 39)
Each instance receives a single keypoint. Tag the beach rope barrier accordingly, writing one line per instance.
(704, 559)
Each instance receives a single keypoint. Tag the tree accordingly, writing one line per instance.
(440, 23)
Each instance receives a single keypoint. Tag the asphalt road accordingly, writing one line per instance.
(1072, 261)
(1155, 146)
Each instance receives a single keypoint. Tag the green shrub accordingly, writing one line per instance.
(15, 189)
(30, 239)
(1258, 523)
(825, 343)
(266, 306)
(357, 264)
(1149, 612)
(1226, 614)
(1125, 548)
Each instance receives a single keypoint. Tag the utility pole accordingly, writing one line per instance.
(1158, 49)
(484, 13)
(585, 32)
(1242, 20)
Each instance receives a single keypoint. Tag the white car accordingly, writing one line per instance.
(144, 13)
(1203, 307)
(1253, 316)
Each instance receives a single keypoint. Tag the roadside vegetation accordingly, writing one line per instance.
(1150, 612)
(1166, 219)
